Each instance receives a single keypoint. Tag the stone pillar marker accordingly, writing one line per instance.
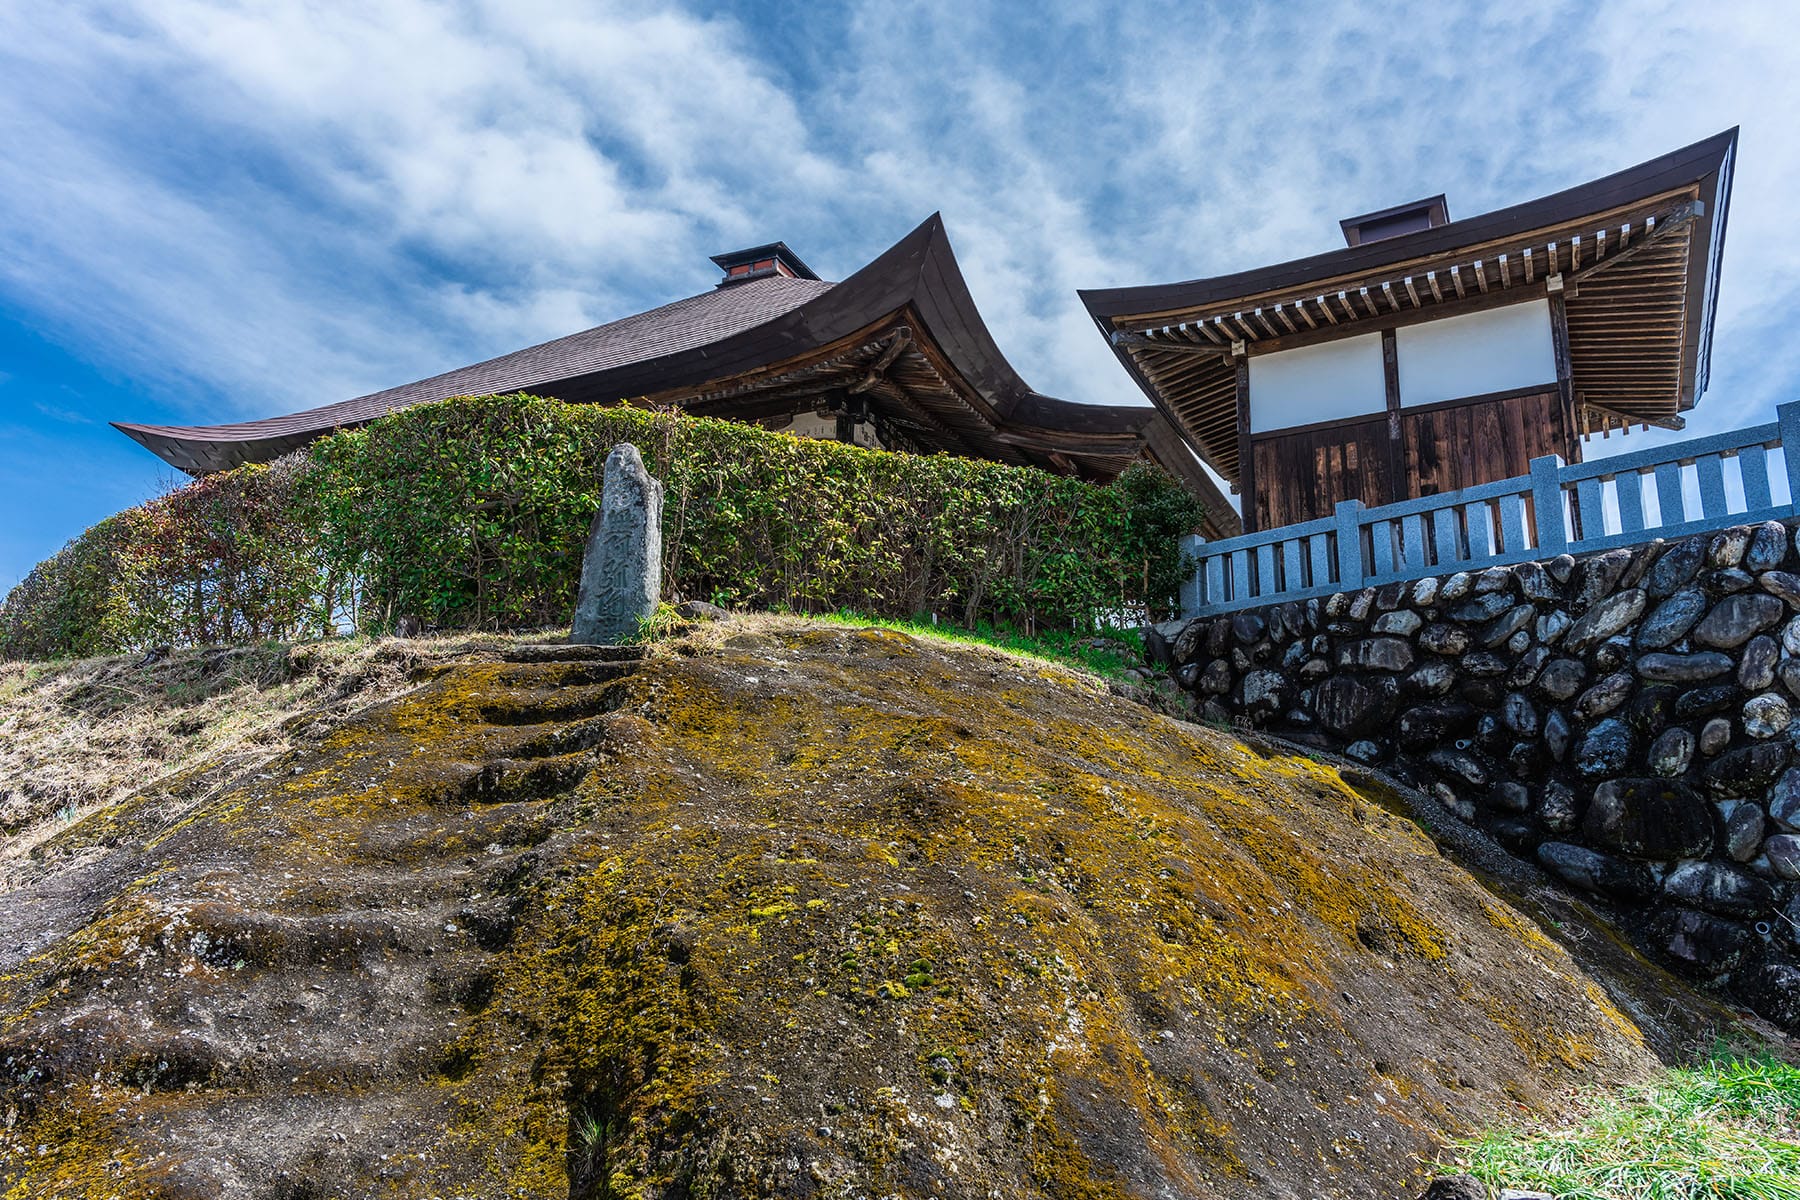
(621, 574)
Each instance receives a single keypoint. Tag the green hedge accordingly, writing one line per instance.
(473, 513)
(223, 559)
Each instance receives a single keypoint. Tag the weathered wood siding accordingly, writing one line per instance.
(1453, 446)
(1302, 474)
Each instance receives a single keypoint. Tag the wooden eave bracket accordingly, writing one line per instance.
(1681, 218)
(877, 372)
(1137, 341)
(1675, 423)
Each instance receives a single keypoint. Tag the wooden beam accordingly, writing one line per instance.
(1475, 302)
(919, 415)
(1326, 309)
(1431, 279)
(1481, 274)
(1675, 423)
(1565, 379)
(1679, 219)
(1527, 257)
(1390, 373)
(1456, 279)
(1137, 341)
(877, 371)
(1387, 289)
(1412, 292)
(1246, 461)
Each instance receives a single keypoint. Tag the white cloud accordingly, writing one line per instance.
(294, 203)
(290, 203)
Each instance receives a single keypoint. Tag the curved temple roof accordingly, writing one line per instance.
(902, 334)
(701, 346)
(1638, 251)
(683, 325)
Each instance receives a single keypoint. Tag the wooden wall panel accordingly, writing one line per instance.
(1458, 446)
(1302, 475)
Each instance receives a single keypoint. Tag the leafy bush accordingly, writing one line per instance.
(224, 559)
(473, 513)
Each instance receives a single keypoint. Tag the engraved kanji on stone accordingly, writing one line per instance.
(621, 574)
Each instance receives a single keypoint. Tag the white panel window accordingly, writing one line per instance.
(1326, 382)
(1477, 353)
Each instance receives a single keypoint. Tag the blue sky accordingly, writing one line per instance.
(213, 211)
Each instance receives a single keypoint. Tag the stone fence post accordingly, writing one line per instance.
(621, 573)
(1548, 534)
(1192, 595)
(1349, 545)
(1788, 417)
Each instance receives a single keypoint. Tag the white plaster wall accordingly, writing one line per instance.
(1477, 353)
(1317, 383)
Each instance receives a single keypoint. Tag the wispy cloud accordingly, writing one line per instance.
(285, 204)
(67, 416)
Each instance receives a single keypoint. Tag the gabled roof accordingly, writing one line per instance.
(903, 333)
(1661, 224)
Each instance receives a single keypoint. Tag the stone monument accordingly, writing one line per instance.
(621, 575)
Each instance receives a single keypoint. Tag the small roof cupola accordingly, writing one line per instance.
(759, 262)
(1413, 217)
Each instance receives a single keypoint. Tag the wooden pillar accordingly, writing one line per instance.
(1398, 483)
(1565, 377)
(1246, 460)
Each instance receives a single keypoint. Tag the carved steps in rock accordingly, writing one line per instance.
(564, 652)
(551, 705)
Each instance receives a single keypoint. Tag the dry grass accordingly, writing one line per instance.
(79, 736)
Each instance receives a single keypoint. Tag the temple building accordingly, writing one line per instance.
(1431, 355)
(895, 357)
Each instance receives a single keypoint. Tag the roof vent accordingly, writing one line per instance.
(759, 262)
(1415, 217)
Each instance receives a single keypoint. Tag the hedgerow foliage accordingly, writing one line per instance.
(224, 559)
(473, 513)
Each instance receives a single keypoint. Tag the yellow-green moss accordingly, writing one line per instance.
(919, 897)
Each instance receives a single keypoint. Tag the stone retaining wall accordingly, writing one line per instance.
(1626, 719)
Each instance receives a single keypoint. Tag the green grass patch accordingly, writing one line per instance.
(1108, 652)
(1728, 1129)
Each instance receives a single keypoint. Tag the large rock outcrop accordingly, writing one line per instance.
(779, 911)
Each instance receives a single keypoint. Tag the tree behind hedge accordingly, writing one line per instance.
(473, 513)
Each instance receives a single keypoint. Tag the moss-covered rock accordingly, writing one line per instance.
(782, 910)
